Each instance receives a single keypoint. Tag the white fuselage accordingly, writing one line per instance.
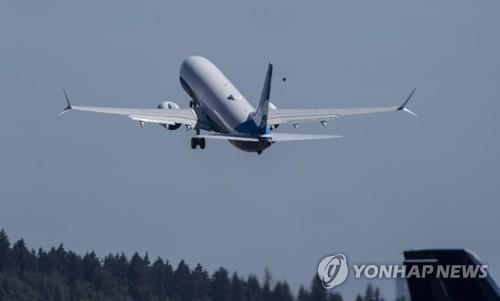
(219, 99)
(214, 93)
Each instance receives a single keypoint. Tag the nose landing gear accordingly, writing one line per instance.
(195, 142)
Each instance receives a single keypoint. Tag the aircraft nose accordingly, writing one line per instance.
(193, 62)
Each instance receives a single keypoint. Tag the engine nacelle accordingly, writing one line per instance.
(169, 105)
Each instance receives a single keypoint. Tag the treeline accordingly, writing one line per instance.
(59, 274)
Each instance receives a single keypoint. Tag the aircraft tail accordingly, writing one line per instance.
(452, 289)
(261, 113)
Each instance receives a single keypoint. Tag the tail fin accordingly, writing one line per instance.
(456, 289)
(260, 116)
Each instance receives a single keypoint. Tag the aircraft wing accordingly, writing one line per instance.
(295, 116)
(162, 116)
(171, 117)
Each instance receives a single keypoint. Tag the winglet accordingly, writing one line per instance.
(68, 107)
(403, 106)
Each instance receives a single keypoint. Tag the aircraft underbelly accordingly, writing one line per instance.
(252, 147)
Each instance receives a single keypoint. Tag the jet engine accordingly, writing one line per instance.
(169, 105)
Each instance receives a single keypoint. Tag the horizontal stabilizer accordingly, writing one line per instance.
(274, 137)
(282, 137)
(229, 137)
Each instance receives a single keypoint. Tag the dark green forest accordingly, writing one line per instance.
(59, 274)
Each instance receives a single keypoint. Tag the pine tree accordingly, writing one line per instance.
(334, 296)
(74, 273)
(281, 291)
(138, 278)
(238, 292)
(4, 251)
(266, 288)
(371, 294)
(303, 294)
(377, 295)
(91, 267)
(253, 291)
(286, 291)
(200, 283)
(21, 258)
(161, 277)
(318, 292)
(182, 282)
(221, 287)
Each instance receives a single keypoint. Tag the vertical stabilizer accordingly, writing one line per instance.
(260, 116)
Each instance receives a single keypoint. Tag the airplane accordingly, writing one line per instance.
(449, 289)
(218, 108)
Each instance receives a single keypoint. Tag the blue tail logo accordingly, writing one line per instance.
(260, 116)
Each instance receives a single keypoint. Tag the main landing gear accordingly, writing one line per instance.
(198, 142)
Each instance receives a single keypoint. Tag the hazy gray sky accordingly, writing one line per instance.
(393, 182)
